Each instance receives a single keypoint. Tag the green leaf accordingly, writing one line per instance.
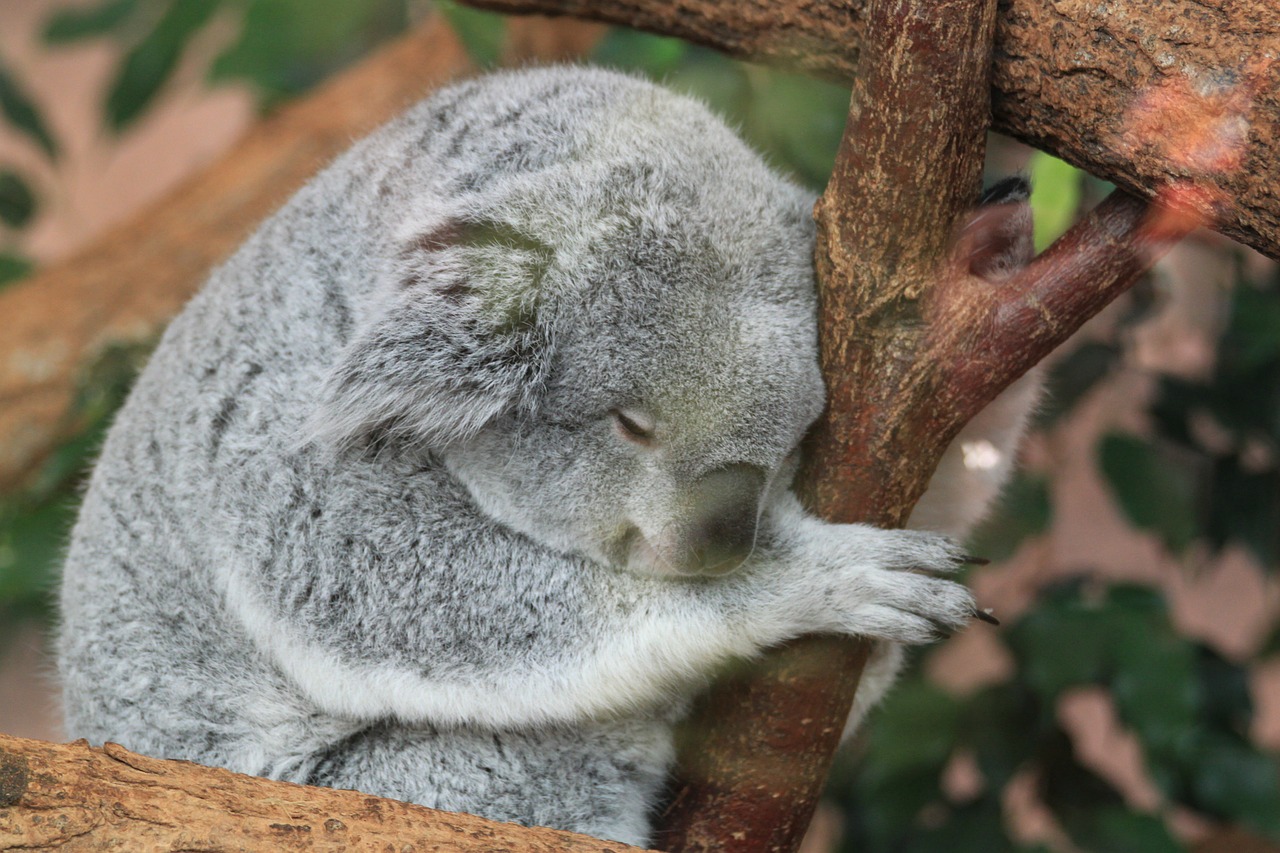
(917, 727)
(1072, 790)
(1003, 724)
(1226, 702)
(973, 828)
(1234, 781)
(910, 740)
(31, 540)
(633, 50)
(13, 268)
(1254, 335)
(149, 64)
(888, 807)
(1155, 686)
(1055, 197)
(1048, 664)
(483, 34)
(17, 202)
(22, 113)
(1155, 489)
(1244, 507)
(83, 22)
(1114, 830)
(287, 46)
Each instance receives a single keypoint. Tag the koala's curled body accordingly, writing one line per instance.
(405, 499)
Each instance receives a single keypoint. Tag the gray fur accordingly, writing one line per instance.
(371, 517)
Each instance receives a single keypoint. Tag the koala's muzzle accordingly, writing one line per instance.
(725, 513)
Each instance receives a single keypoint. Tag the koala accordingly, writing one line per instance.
(473, 464)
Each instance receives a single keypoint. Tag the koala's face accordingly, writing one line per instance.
(601, 317)
(681, 384)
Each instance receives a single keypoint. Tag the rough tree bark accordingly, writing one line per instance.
(74, 798)
(1066, 77)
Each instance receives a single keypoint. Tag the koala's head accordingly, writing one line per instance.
(610, 338)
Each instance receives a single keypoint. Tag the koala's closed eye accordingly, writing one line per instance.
(634, 426)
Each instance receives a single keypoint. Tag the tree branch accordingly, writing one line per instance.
(71, 797)
(908, 167)
(1073, 79)
(900, 317)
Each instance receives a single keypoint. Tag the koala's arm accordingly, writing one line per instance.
(493, 629)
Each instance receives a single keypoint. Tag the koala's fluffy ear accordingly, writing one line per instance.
(455, 343)
(996, 240)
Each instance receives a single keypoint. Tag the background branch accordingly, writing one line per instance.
(125, 286)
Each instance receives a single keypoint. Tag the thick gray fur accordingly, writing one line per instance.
(473, 463)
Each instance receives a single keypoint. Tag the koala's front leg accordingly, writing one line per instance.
(500, 631)
(860, 580)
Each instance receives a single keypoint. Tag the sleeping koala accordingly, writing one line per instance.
(473, 464)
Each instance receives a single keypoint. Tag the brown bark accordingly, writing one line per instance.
(1118, 89)
(884, 222)
(912, 346)
(75, 797)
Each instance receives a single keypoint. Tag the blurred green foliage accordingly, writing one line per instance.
(1238, 479)
(795, 121)
(481, 33)
(21, 114)
(34, 523)
(283, 46)
(18, 201)
(1189, 708)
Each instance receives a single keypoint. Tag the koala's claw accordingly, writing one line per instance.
(909, 607)
(986, 616)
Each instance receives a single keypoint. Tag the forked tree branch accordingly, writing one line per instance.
(912, 346)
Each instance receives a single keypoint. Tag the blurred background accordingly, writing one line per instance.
(1131, 699)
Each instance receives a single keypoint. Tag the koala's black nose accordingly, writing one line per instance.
(725, 517)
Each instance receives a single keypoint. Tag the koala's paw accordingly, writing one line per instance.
(897, 598)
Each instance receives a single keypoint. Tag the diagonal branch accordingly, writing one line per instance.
(996, 336)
